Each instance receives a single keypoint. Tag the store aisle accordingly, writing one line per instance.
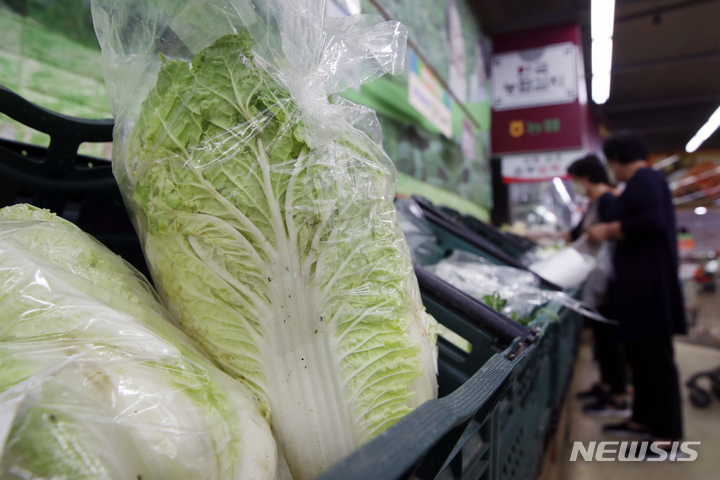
(700, 425)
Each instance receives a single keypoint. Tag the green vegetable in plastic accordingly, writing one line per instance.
(98, 383)
(285, 263)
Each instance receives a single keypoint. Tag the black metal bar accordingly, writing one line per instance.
(581, 15)
(666, 62)
(57, 184)
(667, 128)
(658, 104)
(472, 310)
(660, 10)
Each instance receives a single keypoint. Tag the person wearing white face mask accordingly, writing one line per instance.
(644, 293)
(590, 179)
(608, 397)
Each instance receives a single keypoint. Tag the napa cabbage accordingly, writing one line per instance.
(283, 260)
(96, 383)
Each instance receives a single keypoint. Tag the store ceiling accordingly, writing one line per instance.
(666, 59)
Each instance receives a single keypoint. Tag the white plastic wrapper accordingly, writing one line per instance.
(264, 204)
(518, 290)
(95, 382)
(569, 267)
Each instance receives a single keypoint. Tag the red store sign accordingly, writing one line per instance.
(539, 93)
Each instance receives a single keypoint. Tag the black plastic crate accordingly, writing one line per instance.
(455, 436)
(81, 189)
(514, 245)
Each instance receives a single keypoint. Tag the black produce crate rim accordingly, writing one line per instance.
(520, 243)
(394, 452)
(57, 167)
(443, 220)
(504, 329)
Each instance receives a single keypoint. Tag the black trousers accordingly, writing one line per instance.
(657, 402)
(610, 356)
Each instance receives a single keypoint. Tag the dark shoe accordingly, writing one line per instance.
(606, 407)
(593, 393)
(625, 431)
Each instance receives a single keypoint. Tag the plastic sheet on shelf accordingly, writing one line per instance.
(515, 292)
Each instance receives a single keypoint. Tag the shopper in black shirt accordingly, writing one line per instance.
(607, 398)
(644, 295)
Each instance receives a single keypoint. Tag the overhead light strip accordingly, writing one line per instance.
(602, 25)
(704, 133)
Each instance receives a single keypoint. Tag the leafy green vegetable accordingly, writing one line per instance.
(524, 320)
(286, 263)
(495, 301)
(98, 382)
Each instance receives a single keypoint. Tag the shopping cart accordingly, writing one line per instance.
(699, 396)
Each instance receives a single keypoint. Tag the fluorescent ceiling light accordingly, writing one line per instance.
(601, 88)
(704, 133)
(602, 24)
(602, 56)
(666, 162)
(602, 19)
(700, 211)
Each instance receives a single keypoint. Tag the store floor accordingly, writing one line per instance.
(701, 425)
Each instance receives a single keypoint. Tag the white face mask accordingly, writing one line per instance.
(611, 176)
(579, 189)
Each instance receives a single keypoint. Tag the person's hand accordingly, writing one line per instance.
(598, 233)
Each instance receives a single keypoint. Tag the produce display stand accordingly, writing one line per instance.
(551, 373)
(516, 246)
(497, 401)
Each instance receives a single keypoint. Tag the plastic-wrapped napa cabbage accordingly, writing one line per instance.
(95, 382)
(264, 204)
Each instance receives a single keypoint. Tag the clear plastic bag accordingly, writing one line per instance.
(596, 285)
(517, 293)
(97, 383)
(264, 204)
